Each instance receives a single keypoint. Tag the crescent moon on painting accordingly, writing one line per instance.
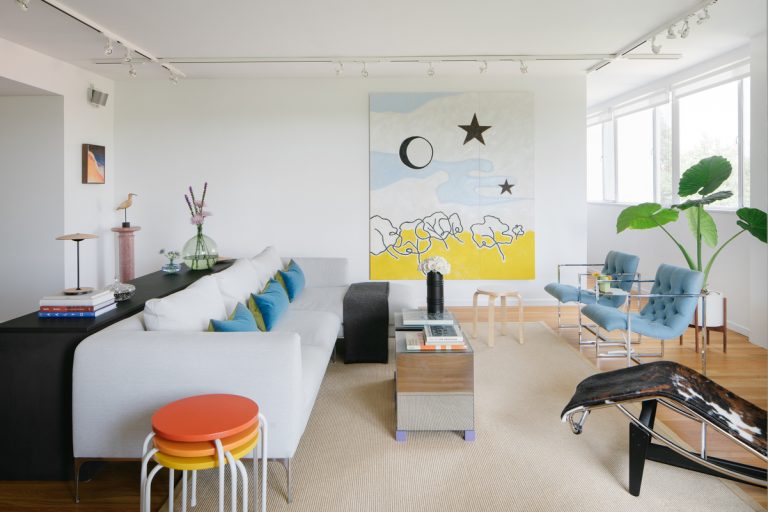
(416, 152)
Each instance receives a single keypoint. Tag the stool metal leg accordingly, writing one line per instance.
(220, 453)
(233, 480)
(170, 489)
(148, 486)
(183, 491)
(244, 477)
(144, 463)
(264, 457)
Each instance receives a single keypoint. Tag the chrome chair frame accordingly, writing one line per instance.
(627, 352)
(719, 466)
(579, 325)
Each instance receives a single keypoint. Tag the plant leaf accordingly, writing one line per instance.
(645, 216)
(704, 177)
(707, 225)
(717, 196)
(754, 221)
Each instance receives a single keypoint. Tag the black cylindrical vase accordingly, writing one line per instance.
(434, 293)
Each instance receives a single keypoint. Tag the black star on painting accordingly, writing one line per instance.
(506, 187)
(474, 130)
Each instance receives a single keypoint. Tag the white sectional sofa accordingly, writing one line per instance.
(124, 373)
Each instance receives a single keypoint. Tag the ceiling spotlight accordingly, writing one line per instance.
(483, 67)
(703, 16)
(339, 69)
(132, 71)
(430, 70)
(671, 32)
(364, 71)
(685, 29)
(655, 48)
(523, 67)
(23, 5)
(109, 48)
(174, 78)
(127, 59)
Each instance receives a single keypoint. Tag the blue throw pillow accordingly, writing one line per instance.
(268, 306)
(241, 320)
(292, 279)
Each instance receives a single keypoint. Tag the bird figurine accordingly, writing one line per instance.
(124, 206)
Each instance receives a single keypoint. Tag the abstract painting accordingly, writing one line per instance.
(452, 175)
(94, 164)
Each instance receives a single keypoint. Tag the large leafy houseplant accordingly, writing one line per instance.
(698, 185)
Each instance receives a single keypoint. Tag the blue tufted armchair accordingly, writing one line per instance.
(622, 267)
(667, 314)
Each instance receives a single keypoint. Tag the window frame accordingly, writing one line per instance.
(735, 72)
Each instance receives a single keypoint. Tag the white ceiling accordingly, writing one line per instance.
(339, 28)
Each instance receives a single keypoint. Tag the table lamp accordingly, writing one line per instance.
(77, 238)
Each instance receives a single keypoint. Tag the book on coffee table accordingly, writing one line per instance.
(414, 342)
(442, 335)
(416, 317)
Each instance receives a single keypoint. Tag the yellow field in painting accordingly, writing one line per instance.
(467, 261)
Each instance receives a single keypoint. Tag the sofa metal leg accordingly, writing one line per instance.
(78, 464)
(287, 465)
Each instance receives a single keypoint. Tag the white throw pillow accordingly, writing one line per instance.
(190, 309)
(237, 283)
(267, 263)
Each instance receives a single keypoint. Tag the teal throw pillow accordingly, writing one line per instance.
(268, 306)
(241, 320)
(292, 279)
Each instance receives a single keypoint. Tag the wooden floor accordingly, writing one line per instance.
(743, 370)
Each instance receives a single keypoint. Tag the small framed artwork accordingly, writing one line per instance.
(94, 164)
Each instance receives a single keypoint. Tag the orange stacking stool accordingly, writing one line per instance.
(205, 432)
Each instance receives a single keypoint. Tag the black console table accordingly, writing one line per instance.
(36, 357)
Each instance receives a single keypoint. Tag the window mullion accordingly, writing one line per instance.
(740, 143)
(675, 147)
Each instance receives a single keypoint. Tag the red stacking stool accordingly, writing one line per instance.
(205, 432)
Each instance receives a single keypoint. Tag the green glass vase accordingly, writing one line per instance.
(200, 252)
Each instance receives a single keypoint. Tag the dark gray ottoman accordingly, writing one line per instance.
(366, 323)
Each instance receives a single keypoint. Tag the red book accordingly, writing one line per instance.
(62, 309)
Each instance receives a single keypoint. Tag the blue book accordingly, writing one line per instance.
(75, 314)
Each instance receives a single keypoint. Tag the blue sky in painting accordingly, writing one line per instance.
(461, 186)
(405, 102)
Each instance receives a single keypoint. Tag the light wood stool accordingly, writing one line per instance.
(492, 296)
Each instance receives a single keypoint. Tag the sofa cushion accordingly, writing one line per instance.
(315, 328)
(241, 320)
(238, 282)
(190, 309)
(327, 298)
(268, 306)
(267, 263)
(292, 280)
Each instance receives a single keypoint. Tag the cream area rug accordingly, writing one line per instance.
(524, 458)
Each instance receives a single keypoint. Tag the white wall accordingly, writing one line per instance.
(86, 208)
(31, 178)
(287, 164)
(740, 270)
(758, 253)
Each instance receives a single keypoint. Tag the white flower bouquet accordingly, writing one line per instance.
(435, 264)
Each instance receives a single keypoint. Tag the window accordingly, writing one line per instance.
(709, 125)
(634, 157)
(595, 162)
(642, 146)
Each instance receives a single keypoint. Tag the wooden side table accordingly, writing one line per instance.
(434, 390)
(492, 296)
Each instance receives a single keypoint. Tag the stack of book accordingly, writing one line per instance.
(89, 305)
(435, 337)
